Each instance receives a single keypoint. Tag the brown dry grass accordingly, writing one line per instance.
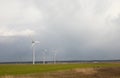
(86, 71)
(111, 72)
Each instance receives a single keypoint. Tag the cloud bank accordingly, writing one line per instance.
(79, 29)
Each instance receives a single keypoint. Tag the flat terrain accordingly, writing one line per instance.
(82, 70)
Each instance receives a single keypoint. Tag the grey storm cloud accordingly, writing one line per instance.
(77, 29)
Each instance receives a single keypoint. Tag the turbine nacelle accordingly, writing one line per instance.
(33, 41)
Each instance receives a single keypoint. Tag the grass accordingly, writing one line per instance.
(17, 69)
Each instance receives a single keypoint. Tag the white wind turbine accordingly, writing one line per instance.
(54, 56)
(33, 49)
(44, 55)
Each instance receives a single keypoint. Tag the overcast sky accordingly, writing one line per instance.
(75, 29)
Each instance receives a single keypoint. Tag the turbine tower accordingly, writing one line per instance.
(54, 56)
(33, 49)
(44, 55)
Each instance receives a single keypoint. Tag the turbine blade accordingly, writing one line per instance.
(33, 44)
(37, 42)
(31, 38)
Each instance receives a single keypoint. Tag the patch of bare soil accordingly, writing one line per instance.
(7, 76)
(10, 76)
(86, 71)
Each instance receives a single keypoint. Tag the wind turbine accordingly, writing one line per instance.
(54, 56)
(33, 49)
(44, 55)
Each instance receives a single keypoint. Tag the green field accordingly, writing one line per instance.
(38, 68)
(24, 69)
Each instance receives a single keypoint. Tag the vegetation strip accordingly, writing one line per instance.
(18, 69)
